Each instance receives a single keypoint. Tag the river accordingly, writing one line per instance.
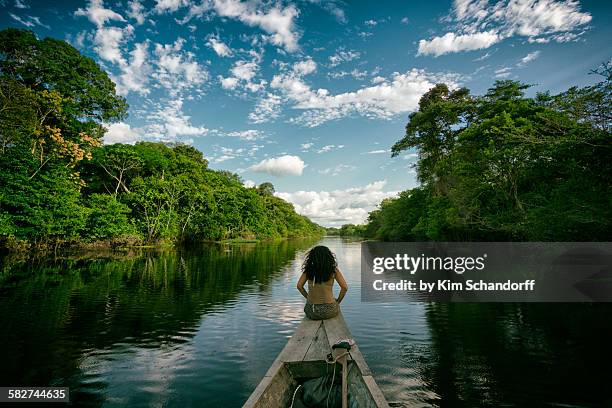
(200, 326)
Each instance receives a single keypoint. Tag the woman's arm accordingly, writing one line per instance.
(343, 285)
(301, 283)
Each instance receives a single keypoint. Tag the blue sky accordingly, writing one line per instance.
(311, 94)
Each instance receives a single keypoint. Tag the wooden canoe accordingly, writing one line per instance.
(304, 357)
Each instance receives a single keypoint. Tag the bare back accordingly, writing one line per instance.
(319, 293)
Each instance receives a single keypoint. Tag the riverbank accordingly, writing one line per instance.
(13, 244)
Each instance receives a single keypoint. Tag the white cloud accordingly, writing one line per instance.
(97, 14)
(249, 183)
(399, 94)
(539, 20)
(136, 11)
(250, 134)
(381, 151)
(177, 69)
(280, 166)
(229, 82)
(371, 23)
(245, 70)
(277, 21)
(528, 58)
(169, 122)
(109, 40)
(267, 109)
(135, 74)
(226, 153)
(121, 132)
(537, 17)
(218, 46)
(337, 207)
(343, 56)
(503, 72)
(456, 43)
(29, 21)
(305, 67)
(354, 73)
(306, 146)
(329, 148)
(21, 5)
(242, 74)
(337, 170)
(405, 20)
(483, 57)
(165, 6)
(333, 8)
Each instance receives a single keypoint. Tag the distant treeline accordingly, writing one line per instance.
(503, 166)
(347, 230)
(58, 184)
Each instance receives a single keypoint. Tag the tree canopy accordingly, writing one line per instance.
(504, 166)
(61, 185)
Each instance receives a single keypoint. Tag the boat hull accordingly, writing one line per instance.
(304, 357)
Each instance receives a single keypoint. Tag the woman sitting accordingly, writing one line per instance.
(321, 270)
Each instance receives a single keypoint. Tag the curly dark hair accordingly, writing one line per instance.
(320, 264)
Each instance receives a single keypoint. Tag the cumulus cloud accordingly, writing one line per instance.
(169, 122)
(539, 20)
(165, 6)
(121, 132)
(280, 166)
(135, 74)
(337, 207)
(450, 42)
(177, 69)
(218, 46)
(277, 21)
(398, 94)
(305, 67)
(242, 75)
(136, 11)
(109, 40)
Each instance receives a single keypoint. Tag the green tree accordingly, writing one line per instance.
(108, 218)
(503, 166)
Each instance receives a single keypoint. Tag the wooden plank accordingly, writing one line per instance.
(377, 395)
(294, 350)
(297, 346)
(337, 329)
(309, 369)
(319, 347)
(273, 391)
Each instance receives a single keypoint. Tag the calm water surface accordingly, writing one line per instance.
(199, 327)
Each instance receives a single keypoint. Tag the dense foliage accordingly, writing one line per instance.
(347, 230)
(504, 166)
(59, 184)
